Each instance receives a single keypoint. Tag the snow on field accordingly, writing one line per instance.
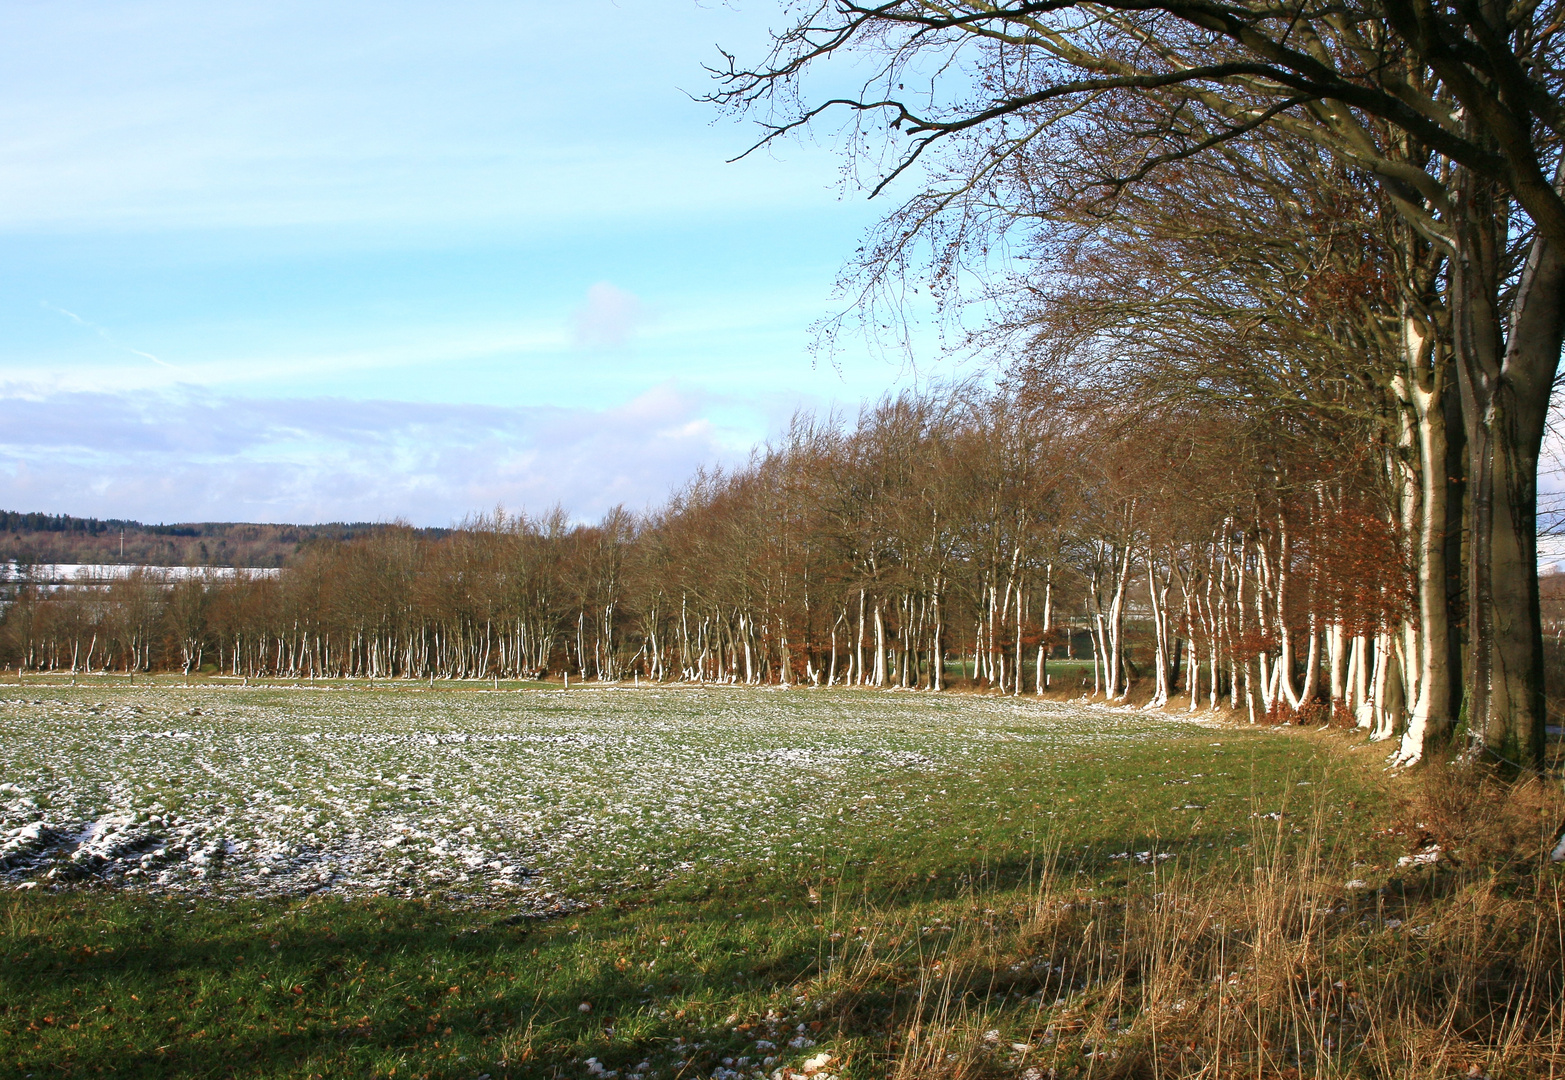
(544, 797)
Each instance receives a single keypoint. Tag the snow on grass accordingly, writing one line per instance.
(548, 797)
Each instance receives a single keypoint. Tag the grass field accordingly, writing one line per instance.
(530, 798)
(708, 883)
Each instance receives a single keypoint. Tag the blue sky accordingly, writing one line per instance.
(324, 261)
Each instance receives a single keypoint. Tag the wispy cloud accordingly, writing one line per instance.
(103, 333)
(393, 117)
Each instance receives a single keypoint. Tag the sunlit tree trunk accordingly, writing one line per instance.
(880, 645)
(937, 652)
(831, 672)
(857, 673)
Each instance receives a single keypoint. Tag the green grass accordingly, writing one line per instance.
(679, 974)
(1074, 670)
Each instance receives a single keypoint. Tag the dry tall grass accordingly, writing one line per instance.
(1448, 968)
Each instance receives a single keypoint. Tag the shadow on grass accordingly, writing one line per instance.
(101, 983)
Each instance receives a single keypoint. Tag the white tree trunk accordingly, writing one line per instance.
(1158, 598)
(1119, 686)
(1363, 708)
(1336, 642)
(880, 646)
(1048, 626)
(1311, 665)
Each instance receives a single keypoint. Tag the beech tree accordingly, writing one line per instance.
(1454, 111)
(1284, 291)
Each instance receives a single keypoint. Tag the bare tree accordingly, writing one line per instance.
(1453, 110)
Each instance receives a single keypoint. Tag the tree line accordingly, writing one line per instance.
(963, 531)
(1311, 214)
(62, 538)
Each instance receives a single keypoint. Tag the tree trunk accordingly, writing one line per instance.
(1388, 687)
(857, 661)
(880, 646)
(1337, 643)
(1284, 670)
(831, 672)
(1430, 721)
(937, 652)
(1311, 665)
(1048, 625)
(1160, 644)
(1117, 684)
(1020, 666)
(1505, 399)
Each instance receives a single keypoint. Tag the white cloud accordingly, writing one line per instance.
(193, 456)
(609, 318)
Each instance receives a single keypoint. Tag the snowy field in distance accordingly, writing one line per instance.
(542, 798)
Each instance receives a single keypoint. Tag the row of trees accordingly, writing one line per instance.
(962, 528)
(1343, 220)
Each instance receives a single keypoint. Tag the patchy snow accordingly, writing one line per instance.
(546, 797)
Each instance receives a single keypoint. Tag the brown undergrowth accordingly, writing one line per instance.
(1302, 964)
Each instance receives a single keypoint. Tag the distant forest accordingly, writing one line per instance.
(41, 539)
